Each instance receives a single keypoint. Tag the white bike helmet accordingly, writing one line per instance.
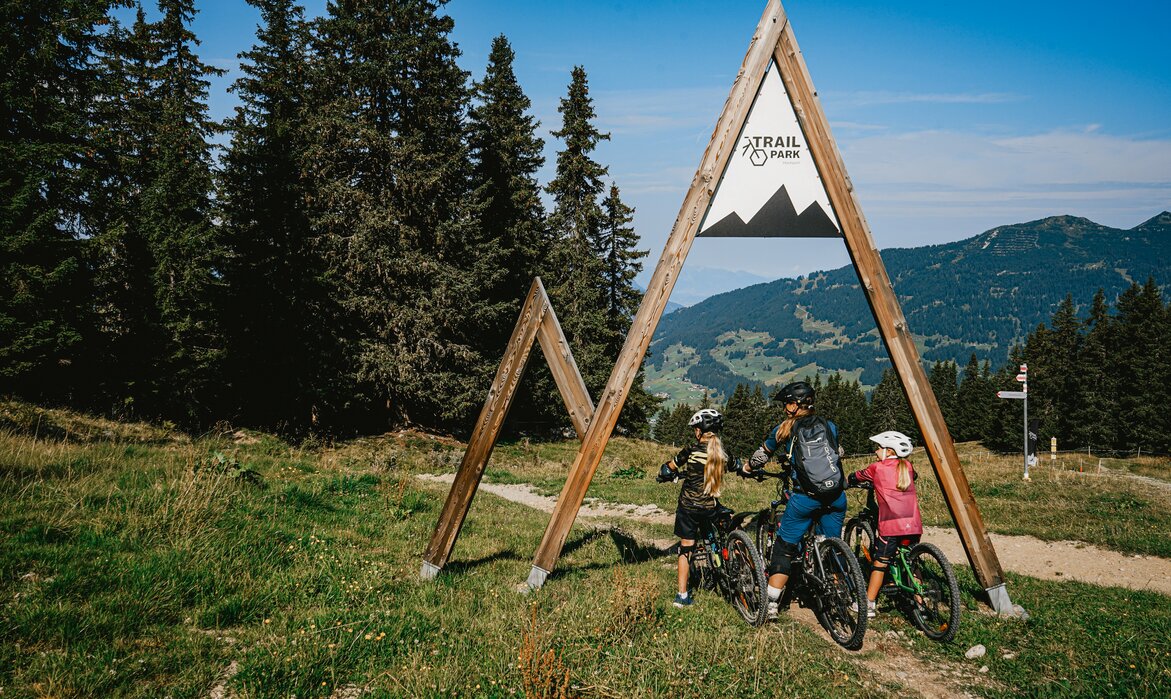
(899, 442)
(707, 420)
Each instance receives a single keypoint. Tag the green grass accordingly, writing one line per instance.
(127, 571)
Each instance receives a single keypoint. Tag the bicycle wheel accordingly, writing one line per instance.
(859, 538)
(937, 613)
(746, 581)
(841, 607)
(764, 531)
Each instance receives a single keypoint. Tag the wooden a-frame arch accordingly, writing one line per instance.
(537, 322)
(773, 44)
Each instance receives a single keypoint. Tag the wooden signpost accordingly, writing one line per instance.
(771, 169)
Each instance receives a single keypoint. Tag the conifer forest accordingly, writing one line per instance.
(349, 251)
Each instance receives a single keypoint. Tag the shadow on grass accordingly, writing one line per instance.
(454, 568)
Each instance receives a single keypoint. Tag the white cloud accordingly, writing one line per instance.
(878, 97)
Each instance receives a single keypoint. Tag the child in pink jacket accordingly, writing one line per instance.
(899, 521)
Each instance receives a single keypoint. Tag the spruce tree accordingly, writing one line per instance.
(1141, 358)
(617, 244)
(843, 401)
(943, 380)
(47, 78)
(388, 172)
(280, 363)
(889, 409)
(576, 288)
(974, 399)
(176, 219)
(122, 119)
(515, 241)
(1095, 405)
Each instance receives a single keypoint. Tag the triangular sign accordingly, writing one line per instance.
(770, 187)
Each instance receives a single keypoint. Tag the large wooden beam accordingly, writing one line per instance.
(654, 302)
(565, 373)
(483, 439)
(890, 320)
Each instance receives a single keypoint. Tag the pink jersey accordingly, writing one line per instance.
(898, 510)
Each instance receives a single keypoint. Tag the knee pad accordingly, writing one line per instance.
(686, 550)
(781, 560)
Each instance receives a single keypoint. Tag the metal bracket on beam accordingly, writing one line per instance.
(998, 598)
(429, 571)
(537, 577)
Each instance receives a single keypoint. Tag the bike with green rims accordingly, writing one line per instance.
(920, 580)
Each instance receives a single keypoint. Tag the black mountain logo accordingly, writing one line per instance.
(777, 219)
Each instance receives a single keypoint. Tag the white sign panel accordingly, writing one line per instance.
(770, 186)
(1011, 394)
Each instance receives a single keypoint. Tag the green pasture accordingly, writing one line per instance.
(139, 562)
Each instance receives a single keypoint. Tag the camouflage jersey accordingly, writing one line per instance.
(691, 462)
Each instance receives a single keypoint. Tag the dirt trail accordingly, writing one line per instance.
(1056, 560)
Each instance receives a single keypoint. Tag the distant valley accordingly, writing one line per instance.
(981, 295)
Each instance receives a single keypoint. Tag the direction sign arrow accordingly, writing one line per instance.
(1011, 394)
(1022, 377)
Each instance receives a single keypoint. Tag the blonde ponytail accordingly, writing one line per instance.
(713, 470)
(905, 479)
(786, 427)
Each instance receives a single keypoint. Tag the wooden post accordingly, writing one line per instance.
(536, 321)
(565, 373)
(891, 323)
(722, 143)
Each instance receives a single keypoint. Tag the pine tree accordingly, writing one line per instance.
(577, 272)
(175, 219)
(1095, 406)
(1141, 357)
(388, 172)
(745, 421)
(47, 78)
(516, 242)
(889, 409)
(671, 426)
(122, 120)
(975, 399)
(1005, 430)
(620, 265)
(280, 363)
(843, 401)
(943, 380)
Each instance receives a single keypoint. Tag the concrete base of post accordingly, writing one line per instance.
(537, 577)
(1002, 605)
(429, 571)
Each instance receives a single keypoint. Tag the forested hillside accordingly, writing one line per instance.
(978, 296)
(354, 258)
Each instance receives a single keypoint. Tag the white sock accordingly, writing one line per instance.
(774, 593)
(684, 595)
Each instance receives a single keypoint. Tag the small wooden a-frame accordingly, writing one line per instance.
(538, 322)
(728, 197)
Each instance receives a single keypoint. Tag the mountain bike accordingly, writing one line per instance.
(920, 579)
(726, 561)
(826, 578)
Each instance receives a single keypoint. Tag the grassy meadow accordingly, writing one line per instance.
(139, 562)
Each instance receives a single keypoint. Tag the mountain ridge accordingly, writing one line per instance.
(978, 295)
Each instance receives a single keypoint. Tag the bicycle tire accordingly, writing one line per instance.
(842, 585)
(859, 537)
(938, 614)
(764, 531)
(746, 580)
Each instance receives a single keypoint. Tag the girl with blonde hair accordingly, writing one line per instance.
(701, 466)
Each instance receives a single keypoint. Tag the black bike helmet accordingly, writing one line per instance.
(707, 420)
(798, 392)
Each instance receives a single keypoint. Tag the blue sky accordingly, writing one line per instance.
(952, 118)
